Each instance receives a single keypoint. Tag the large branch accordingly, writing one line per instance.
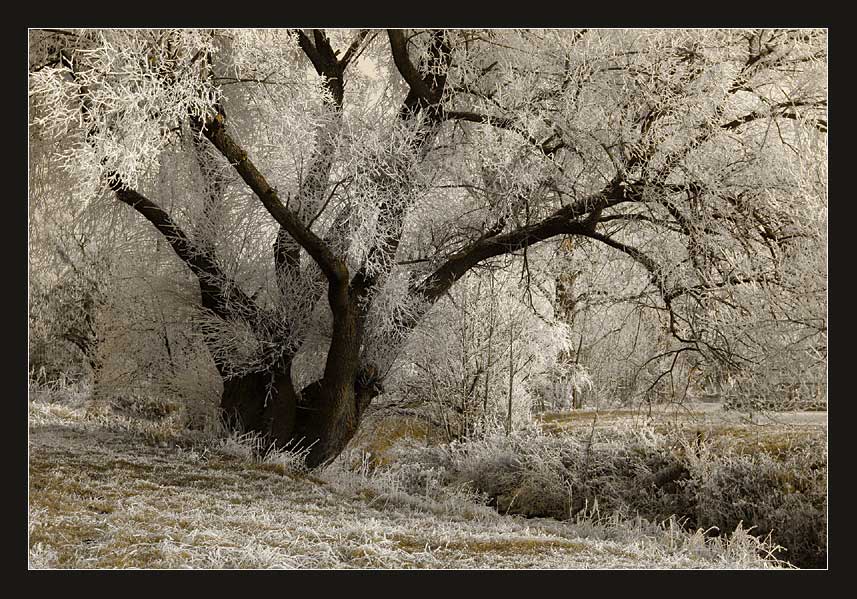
(425, 95)
(322, 55)
(655, 274)
(332, 266)
(731, 280)
(657, 279)
(324, 59)
(218, 293)
(577, 218)
(312, 188)
(399, 49)
(638, 255)
(501, 123)
(353, 48)
(567, 220)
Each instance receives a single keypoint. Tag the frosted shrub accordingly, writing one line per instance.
(783, 496)
(626, 472)
(535, 474)
(61, 391)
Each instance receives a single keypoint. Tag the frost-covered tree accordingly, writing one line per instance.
(327, 188)
(487, 355)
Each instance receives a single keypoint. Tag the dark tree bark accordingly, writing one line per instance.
(325, 415)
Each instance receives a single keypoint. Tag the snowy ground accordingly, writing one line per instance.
(103, 494)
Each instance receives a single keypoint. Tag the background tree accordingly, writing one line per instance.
(328, 189)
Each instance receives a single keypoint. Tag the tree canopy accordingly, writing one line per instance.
(328, 190)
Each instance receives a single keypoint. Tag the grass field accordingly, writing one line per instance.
(107, 492)
(767, 430)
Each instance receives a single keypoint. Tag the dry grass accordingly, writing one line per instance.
(689, 412)
(104, 494)
(767, 431)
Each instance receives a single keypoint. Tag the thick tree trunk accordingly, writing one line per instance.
(324, 418)
(330, 409)
(326, 421)
(243, 402)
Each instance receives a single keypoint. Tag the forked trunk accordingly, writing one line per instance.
(324, 416)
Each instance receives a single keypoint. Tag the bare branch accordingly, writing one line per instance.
(351, 52)
(399, 48)
(219, 294)
(820, 124)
